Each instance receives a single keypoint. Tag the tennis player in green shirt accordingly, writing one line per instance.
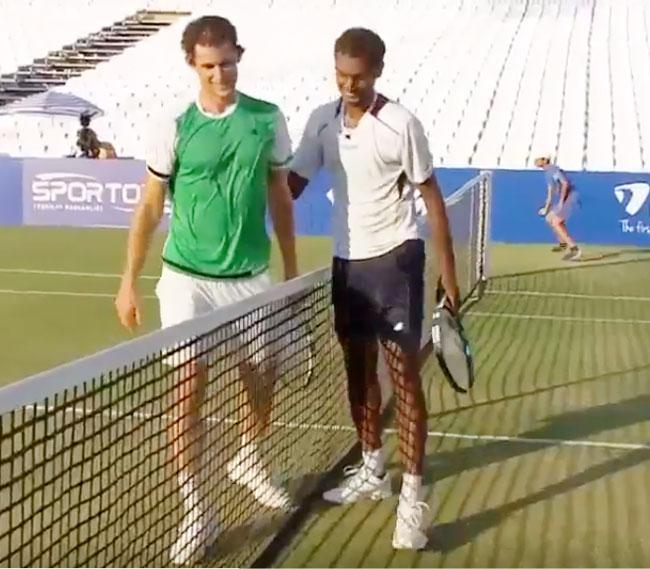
(221, 159)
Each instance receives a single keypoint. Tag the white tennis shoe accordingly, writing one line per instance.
(247, 471)
(412, 520)
(360, 484)
(195, 535)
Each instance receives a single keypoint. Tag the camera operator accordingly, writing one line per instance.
(87, 140)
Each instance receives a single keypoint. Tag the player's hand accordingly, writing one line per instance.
(127, 305)
(543, 211)
(452, 294)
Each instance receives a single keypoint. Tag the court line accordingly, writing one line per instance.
(567, 295)
(554, 318)
(65, 293)
(541, 442)
(115, 414)
(70, 273)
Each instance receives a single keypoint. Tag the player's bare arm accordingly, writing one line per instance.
(145, 220)
(441, 236)
(281, 210)
(549, 198)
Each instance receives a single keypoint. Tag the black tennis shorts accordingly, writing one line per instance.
(381, 297)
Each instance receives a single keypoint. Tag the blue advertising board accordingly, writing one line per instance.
(11, 209)
(81, 193)
(614, 207)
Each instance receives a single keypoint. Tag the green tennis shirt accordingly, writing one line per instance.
(217, 167)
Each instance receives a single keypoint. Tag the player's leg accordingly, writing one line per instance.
(179, 301)
(412, 432)
(364, 395)
(256, 398)
(556, 226)
(401, 331)
(186, 431)
(564, 213)
(249, 466)
(257, 377)
(557, 220)
(356, 330)
(559, 228)
(403, 366)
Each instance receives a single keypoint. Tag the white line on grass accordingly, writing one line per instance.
(567, 295)
(536, 441)
(63, 293)
(553, 318)
(115, 414)
(70, 273)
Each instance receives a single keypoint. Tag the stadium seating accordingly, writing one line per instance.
(31, 28)
(494, 83)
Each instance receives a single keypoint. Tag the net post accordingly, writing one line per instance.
(485, 207)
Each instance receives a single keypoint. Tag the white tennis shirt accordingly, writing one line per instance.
(373, 167)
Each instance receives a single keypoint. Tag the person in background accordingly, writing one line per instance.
(87, 140)
(561, 198)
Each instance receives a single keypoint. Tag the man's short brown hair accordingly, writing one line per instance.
(214, 31)
(361, 42)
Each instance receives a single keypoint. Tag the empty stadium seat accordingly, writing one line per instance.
(492, 82)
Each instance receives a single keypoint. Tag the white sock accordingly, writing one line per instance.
(247, 453)
(189, 492)
(373, 460)
(411, 488)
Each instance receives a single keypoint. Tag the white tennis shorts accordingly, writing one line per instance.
(184, 297)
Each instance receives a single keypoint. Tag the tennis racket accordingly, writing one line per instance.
(451, 346)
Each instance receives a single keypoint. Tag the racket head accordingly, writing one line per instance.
(452, 349)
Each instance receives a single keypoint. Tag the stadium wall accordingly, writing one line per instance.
(614, 206)
(11, 209)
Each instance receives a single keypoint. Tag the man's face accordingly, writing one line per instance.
(217, 68)
(355, 79)
(541, 162)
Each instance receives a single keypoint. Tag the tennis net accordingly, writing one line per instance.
(468, 209)
(87, 472)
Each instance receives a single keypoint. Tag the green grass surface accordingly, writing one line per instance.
(557, 360)
(41, 329)
(572, 365)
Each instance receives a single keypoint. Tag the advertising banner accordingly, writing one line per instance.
(81, 193)
(613, 208)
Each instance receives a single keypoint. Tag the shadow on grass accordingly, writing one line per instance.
(447, 537)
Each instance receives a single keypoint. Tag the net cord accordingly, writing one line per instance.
(69, 375)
